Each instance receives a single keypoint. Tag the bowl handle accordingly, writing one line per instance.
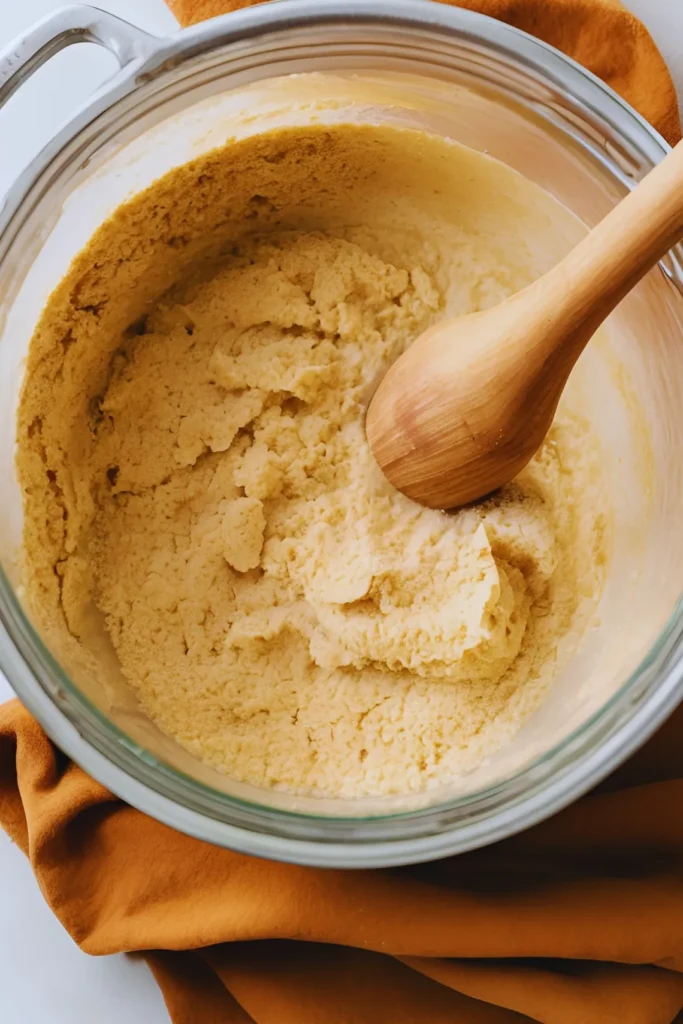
(77, 24)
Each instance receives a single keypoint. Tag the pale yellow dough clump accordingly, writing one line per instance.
(277, 607)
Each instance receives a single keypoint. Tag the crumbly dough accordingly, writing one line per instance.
(195, 467)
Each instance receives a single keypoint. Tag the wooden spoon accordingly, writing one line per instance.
(469, 403)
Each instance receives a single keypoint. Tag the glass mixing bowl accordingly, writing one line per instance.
(490, 87)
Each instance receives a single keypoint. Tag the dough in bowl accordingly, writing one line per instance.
(195, 468)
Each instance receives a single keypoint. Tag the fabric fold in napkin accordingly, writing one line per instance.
(577, 921)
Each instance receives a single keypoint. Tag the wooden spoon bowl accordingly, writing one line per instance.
(468, 405)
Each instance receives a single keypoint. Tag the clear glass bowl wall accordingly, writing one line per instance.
(507, 98)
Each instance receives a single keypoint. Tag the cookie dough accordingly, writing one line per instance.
(192, 449)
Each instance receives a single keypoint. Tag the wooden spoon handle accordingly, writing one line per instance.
(605, 265)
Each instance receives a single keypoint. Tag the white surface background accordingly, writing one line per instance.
(44, 978)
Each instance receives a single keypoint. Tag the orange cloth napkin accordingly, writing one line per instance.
(578, 921)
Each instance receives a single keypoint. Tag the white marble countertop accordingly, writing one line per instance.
(44, 977)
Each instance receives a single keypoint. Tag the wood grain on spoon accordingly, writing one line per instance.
(470, 402)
